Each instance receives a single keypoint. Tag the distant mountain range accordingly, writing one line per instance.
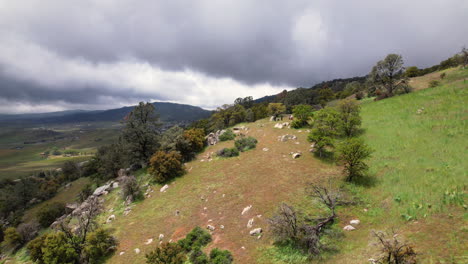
(168, 112)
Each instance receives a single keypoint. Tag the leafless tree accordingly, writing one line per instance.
(393, 250)
(305, 232)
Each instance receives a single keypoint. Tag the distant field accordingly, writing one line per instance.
(21, 148)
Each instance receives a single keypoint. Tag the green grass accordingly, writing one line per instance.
(420, 159)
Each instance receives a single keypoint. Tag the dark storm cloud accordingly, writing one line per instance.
(202, 52)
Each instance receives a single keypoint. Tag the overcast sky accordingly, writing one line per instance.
(99, 54)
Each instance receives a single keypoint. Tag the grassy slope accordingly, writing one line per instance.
(259, 178)
(417, 159)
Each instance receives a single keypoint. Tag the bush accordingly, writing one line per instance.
(71, 171)
(353, 152)
(34, 248)
(434, 83)
(348, 110)
(218, 256)
(99, 244)
(196, 139)
(245, 144)
(198, 257)
(227, 135)
(442, 75)
(12, 237)
(302, 114)
(28, 231)
(228, 152)
(130, 187)
(197, 238)
(166, 253)
(47, 214)
(58, 249)
(166, 166)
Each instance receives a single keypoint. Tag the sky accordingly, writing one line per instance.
(99, 54)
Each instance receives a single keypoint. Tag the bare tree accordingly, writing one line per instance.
(305, 232)
(388, 75)
(393, 251)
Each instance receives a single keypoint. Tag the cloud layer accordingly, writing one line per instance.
(88, 54)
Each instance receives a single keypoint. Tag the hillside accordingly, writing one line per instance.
(417, 165)
(169, 112)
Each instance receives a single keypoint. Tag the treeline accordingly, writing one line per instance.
(458, 59)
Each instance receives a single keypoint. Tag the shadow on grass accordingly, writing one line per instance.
(365, 181)
(326, 156)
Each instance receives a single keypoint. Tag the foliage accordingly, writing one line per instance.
(12, 237)
(325, 94)
(197, 256)
(131, 188)
(275, 109)
(388, 76)
(48, 214)
(172, 139)
(434, 83)
(227, 135)
(195, 138)
(246, 102)
(166, 166)
(71, 171)
(167, 253)
(197, 238)
(412, 71)
(302, 114)
(34, 248)
(353, 152)
(109, 160)
(218, 256)
(245, 143)
(348, 110)
(99, 243)
(442, 75)
(140, 133)
(228, 152)
(57, 249)
(324, 129)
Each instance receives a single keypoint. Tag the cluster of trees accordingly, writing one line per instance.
(189, 248)
(243, 110)
(459, 59)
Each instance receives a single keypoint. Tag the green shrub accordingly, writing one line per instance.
(57, 249)
(228, 152)
(227, 135)
(246, 143)
(47, 215)
(12, 237)
(131, 187)
(218, 256)
(197, 238)
(99, 244)
(166, 166)
(434, 83)
(442, 75)
(198, 257)
(166, 253)
(302, 114)
(353, 152)
(34, 248)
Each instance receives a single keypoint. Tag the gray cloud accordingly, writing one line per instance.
(109, 53)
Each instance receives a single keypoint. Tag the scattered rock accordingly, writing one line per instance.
(243, 247)
(355, 222)
(265, 149)
(296, 155)
(205, 208)
(210, 227)
(115, 185)
(101, 190)
(127, 210)
(164, 188)
(177, 212)
(349, 228)
(221, 226)
(272, 118)
(286, 137)
(121, 253)
(246, 209)
(149, 241)
(110, 219)
(256, 231)
(161, 237)
(250, 223)
(137, 251)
